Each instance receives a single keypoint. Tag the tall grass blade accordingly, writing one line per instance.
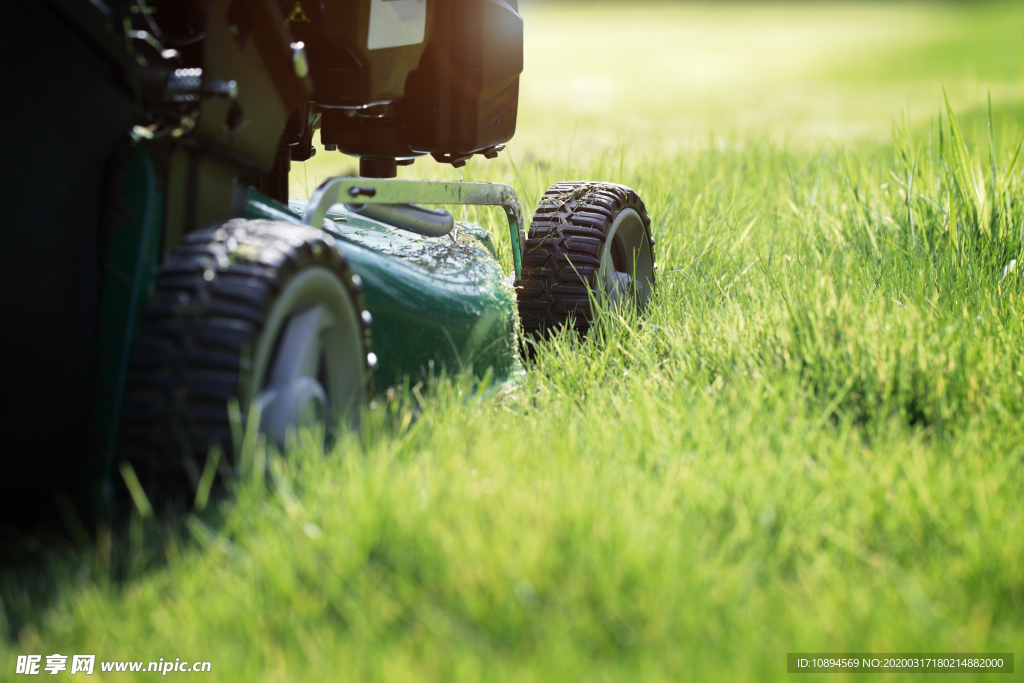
(249, 439)
(974, 180)
(135, 489)
(993, 169)
(206, 481)
(237, 429)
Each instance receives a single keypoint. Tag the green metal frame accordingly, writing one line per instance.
(436, 302)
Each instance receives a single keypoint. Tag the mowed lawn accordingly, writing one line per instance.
(812, 441)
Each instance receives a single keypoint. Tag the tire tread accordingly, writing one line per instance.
(210, 302)
(562, 254)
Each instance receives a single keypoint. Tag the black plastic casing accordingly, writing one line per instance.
(345, 72)
(456, 93)
(464, 95)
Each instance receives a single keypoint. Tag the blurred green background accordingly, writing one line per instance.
(663, 77)
(801, 72)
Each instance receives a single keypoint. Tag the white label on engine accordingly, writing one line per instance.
(394, 23)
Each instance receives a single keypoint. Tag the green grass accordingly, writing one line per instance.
(812, 441)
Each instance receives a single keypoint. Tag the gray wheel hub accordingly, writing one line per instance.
(309, 364)
(627, 264)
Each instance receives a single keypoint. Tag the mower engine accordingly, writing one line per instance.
(398, 79)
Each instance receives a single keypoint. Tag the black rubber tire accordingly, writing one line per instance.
(563, 250)
(211, 300)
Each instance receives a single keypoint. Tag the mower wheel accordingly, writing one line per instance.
(586, 241)
(257, 311)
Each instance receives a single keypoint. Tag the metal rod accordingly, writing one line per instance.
(417, 219)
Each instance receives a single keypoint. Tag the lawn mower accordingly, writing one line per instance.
(164, 290)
